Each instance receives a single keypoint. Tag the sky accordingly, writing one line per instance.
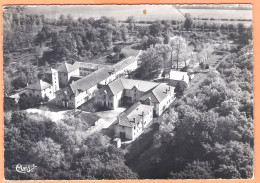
(121, 12)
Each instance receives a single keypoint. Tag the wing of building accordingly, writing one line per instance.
(159, 95)
(131, 123)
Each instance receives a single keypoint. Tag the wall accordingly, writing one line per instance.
(127, 130)
(85, 71)
(117, 100)
(63, 79)
(164, 104)
(85, 96)
(37, 93)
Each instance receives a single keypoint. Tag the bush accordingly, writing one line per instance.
(184, 69)
(28, 102)
(117, 49)
(121, 55)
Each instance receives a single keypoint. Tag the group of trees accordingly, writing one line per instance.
(82, 37)
(59, 150)
(33, 42)
(176, 53)
(208, 133)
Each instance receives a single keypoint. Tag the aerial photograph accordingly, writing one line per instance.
(114, 92)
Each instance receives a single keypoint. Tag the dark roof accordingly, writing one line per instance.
(39, 85)
(74, 78)
(124, 121)
(90, 80)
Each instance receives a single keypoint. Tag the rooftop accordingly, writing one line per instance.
(178, 75)
(134, 114)
(39, 85)
(159, 93)
(66, 67)
(124, 63)
(90, 80)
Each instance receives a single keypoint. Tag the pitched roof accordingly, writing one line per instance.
(90, 80)
(124, 121)
(66, 67)
(159, 93)
(39, 85)
(124, 63)
(120, 84)
(142, 86)
(133, 114)
(116, 86)
(74, 78)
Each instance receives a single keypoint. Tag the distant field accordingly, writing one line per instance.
(121, 12)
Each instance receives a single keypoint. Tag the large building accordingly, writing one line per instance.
(131, 123)
(122, 90)
(81, 89)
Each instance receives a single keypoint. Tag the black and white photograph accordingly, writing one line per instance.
(149, 91)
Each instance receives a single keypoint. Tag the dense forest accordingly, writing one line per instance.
(207, 132)
(61, 149)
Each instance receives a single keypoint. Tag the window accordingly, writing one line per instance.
(104, 97)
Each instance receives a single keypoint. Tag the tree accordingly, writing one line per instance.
(234, 159)
(178, 48)
(124, 32)
(48, 154)
(151, 64)
(188, 22)
(131, 22)
(195, 170)
(180, 88)
(156, 29)
(163, 50)
(20, 82)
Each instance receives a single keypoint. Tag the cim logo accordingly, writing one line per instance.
(24, 168)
